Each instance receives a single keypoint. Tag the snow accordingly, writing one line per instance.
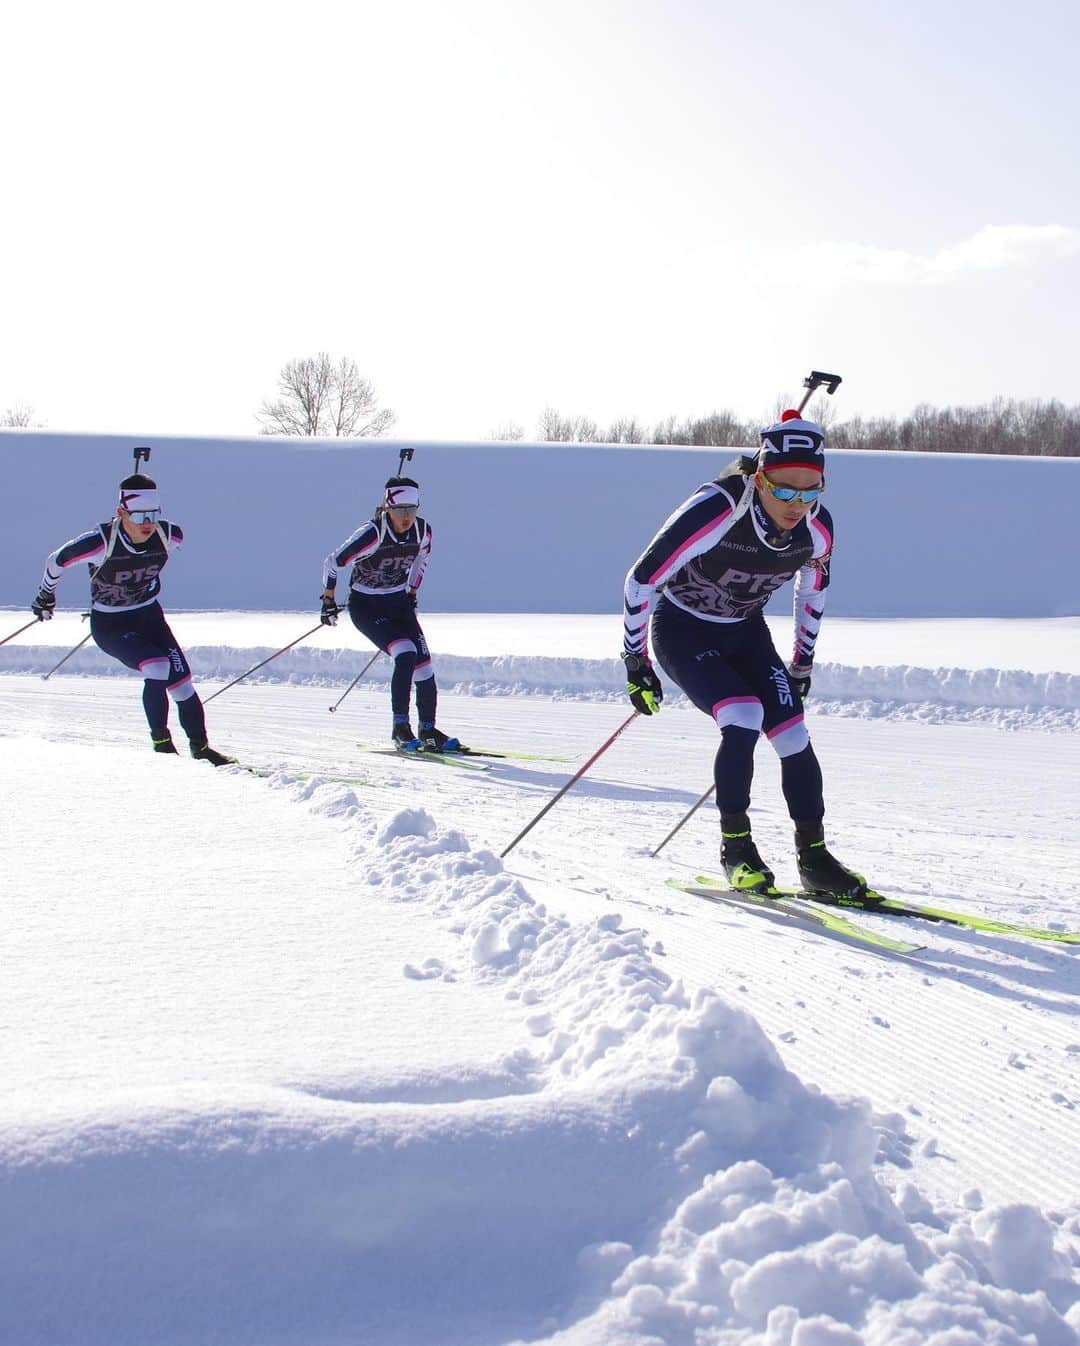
(298, 1059)
(1015, 673)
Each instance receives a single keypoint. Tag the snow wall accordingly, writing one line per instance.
(541, 527)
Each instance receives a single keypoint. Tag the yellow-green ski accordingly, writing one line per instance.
(889, 906)
(792, 909)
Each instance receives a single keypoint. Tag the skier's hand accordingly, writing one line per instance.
(410, 594)
(642, 685)
(800, 680)
(328, 615)
(44, 605)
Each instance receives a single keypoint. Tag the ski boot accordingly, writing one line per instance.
(164, 744)
(821, 872)
(403, 737)
(204, 753)
(434, 740)
(743, 865)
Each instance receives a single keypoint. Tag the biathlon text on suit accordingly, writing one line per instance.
(126, 556)
(388, 555)
(706, 578)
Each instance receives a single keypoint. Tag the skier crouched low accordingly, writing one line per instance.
(714, 564)
(126, 556)
(389, 554)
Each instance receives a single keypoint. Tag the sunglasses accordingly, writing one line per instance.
(144, 515)
(402, 509)
(786, 494)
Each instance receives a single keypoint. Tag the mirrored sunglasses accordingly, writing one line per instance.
(789, 493)
(144, 515)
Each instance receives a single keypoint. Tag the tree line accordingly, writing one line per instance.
(1005, 425)
(322, 396)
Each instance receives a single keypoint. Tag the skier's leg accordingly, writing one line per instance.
(427, 695)
(783, 722)
(696, 655)
(388, 625)
(403, 652)
(427, 699)
(800, 771)
(129, 637)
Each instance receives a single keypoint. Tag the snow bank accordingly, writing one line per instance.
(641, 1169)
(918, 534)
(1012, 698)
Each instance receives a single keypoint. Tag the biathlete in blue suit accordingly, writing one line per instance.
(126, 556)
(705, 579)
(388, 555)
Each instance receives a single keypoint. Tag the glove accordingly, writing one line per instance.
(44, 605)
(329, 613)
(411, 595)
(800, 680)
(642, 684)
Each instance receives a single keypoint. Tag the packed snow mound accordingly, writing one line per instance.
(641, 1168)
(1012, 698)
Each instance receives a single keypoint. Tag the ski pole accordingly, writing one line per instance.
(573, 779)
(20, 631)
(46, 676)
(355, 680)
(260, 664)
(684, 820)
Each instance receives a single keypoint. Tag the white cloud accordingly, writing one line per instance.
(993, 248)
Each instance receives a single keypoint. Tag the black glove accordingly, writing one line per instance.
(800, 680)
(411, 595)
(329, 613)
(642, 684)
(44, 605)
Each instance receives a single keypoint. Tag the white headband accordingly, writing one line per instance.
(402, 497)
(145, 499)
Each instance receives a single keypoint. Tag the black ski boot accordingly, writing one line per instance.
(434, 740)
(205, 753)
(404, 739)
(164, 744)
(820, 872)
(743, 865)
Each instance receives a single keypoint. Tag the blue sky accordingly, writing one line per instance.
(496, 206)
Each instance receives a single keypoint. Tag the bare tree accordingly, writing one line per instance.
(320, 398)
(625, 430)
(556, 429)
(719, 429)
(509, 431)
(17, 416)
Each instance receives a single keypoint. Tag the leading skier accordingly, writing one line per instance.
(126, 556)
(389, 554)
(705, 578)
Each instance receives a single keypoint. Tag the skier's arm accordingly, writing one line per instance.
(87, 547)
(174, 535)
(810, 590)
(419, 565)
(362, 542)
(696, 526)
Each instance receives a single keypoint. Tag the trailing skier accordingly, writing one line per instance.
(705, 580)
(126, 556)
(388, 555)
